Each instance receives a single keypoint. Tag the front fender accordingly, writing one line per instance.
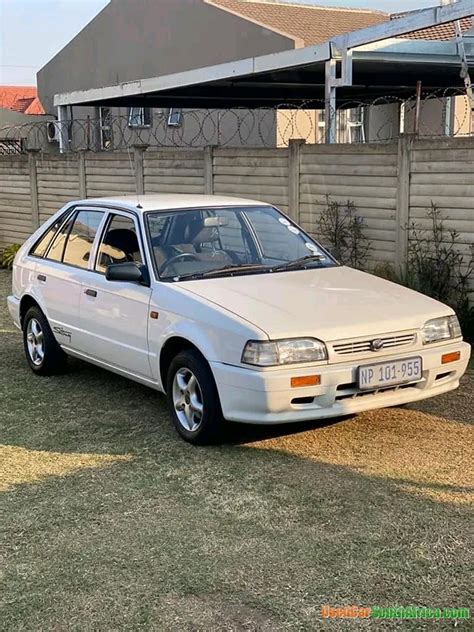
(219, 334)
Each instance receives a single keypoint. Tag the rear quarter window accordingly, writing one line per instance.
(42, 245)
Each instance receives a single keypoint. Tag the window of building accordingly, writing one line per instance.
(175, 117)
(139, 117)
(350, 126)
(106, 132)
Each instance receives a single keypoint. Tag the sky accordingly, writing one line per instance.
(33, 31)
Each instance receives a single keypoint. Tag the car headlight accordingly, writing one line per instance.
(278, 352)
(439, 329)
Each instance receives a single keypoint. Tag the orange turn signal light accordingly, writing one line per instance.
(450, 357)
(306, 380)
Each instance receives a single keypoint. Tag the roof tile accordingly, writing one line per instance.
(312, 24)
(443, 32)
(23, 99)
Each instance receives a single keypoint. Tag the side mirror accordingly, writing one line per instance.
(129, 272)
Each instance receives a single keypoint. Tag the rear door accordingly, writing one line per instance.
(59, 274)
(114, 314)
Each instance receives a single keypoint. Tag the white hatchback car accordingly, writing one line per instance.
(228, 307)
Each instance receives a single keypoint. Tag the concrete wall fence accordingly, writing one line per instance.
(390, 184)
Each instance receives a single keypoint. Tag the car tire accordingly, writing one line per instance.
(43, 353)
(193, 399)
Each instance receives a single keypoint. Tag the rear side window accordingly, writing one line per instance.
(81, 238)
(42, 245)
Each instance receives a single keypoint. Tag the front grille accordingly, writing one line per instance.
(364, 346)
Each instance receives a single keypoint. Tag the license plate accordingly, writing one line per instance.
(375, 376)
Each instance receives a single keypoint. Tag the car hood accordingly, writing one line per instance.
(327, 303)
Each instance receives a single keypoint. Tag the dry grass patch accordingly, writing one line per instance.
(20, 465)
(369, 511)
(423, 454)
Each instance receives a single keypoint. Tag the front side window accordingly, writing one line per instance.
(81, 237)
(119, 244)
(205, 242)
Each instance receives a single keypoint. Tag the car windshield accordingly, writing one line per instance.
(208, 242)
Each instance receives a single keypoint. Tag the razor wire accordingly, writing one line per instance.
(445, 112)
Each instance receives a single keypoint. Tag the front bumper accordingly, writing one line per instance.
(14, 308)
(265, 396)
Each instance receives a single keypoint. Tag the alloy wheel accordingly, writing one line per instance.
(35, 341)
(187, 399)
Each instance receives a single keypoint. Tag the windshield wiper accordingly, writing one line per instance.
(219, 271)
(298, 263)
(246, 267)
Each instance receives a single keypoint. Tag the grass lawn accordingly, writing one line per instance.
(110, 521)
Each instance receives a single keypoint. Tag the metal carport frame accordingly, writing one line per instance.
(273, 79)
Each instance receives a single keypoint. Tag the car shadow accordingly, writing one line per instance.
(233, 433)
(239, 433)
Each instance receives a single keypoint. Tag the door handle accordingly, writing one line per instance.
(42, 278)
(92, 293)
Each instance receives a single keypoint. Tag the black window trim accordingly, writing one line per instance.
(107, 209)
(111, 208)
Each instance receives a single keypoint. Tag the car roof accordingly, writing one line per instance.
(170, 201)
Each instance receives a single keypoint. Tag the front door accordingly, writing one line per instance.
(114, 314)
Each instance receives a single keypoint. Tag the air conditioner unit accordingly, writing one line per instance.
(53, 131)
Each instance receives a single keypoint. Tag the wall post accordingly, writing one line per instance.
(139, 150)
(82, 176)
(294, 155)
(402, 214)
(330, 113)
(35, 219)
(209, 170)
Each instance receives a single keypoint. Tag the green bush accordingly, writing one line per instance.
(341, 229)
(7, 255)
(436, 267)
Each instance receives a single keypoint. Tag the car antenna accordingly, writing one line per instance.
(132, 168)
